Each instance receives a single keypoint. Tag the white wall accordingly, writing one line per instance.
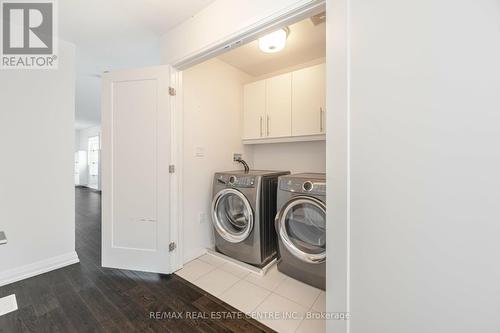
(424, 164)
(37, 210)
(77, 141)
(296, 157)
(216, 23)
(92, 62)
(213, 100)
(85, 134)
(337, 163)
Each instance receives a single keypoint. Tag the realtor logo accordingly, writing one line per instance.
(28, 32)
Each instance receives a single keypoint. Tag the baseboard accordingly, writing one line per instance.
(193, 255)
(36, 268)
(252, 269)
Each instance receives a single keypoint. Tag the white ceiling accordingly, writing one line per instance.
(305, 42)
(112, 34)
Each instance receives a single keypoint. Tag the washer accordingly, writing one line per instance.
(243, 211)
(301, 227)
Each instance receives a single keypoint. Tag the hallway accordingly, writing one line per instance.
(88, 298)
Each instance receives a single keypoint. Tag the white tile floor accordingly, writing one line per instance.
(251, 293)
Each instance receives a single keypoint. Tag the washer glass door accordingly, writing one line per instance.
(302, 228)
(232, 215)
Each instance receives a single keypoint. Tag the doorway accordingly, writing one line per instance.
(214, 88)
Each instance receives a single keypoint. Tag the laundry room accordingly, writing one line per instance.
(259, 105)
(217, 125)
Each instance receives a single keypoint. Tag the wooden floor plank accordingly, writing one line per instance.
(86, 297)
(58, 322)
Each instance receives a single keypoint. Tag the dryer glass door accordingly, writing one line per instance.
(232, 215)
(303, 228)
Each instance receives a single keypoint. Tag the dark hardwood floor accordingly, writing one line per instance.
(88, 298)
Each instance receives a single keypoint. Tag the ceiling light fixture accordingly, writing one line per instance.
(274, 42)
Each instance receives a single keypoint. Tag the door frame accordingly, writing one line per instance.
(176, 159)
(290, 15)
(294, 13)
(337, 124)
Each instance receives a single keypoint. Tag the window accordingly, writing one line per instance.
(93, 155)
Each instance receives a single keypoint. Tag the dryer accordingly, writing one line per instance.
(301, 227)
(243, 211)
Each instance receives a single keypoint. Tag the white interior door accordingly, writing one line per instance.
(136, 153)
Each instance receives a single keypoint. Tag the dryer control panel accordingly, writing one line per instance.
(303, 186)
(237, 181)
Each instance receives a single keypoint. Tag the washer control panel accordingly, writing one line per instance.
(237, 181)
(303, 186)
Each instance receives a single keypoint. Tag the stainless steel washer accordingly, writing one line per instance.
(243, 211)
(301, 227)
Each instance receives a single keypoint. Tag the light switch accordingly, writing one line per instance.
(199, 152)
(203, 217)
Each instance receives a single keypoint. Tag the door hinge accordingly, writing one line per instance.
(171, 91)
(172, 246)
(171, 168)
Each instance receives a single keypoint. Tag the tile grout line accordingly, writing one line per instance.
(230, 287)
(194, 280)
(271, 292)
(205, 274)
(311, 308)
(242, 278)
(219, 267)
(291, 300)
(265, 298)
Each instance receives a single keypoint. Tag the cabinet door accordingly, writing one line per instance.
(254, 110)
(308, 101)
(279, 106)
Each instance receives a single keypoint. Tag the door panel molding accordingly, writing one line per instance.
(136, 185)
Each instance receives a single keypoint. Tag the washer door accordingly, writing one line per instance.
(232, 215)
(302, 228)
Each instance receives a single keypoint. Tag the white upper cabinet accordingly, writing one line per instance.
(287, 107)
(308, 101)
(279, 106)
(254, 110)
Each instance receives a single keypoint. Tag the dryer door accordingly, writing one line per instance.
(232, 215)
(302, 228)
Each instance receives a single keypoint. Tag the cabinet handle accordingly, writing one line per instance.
(261, 126)
(321, 119)
(268, 130)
